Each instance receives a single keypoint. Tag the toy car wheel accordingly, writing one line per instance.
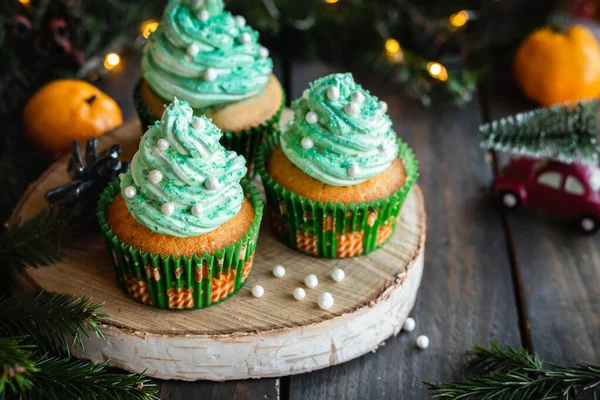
(509, 200)
(588, 224)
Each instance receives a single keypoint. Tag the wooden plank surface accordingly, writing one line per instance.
(558, 267)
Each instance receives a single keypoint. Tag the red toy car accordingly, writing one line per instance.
(566, 190)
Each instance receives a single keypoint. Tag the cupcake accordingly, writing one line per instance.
(180, 227)
(336, 177)
(212, 59)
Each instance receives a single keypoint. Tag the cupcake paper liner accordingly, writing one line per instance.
(244, 143)
(181, 283)
(332, 230)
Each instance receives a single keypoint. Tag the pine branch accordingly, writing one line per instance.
(72, 379)
(37, 242)
(50, 319)
(497, 358)
(16, 365)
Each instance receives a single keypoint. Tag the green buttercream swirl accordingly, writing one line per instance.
(241, 69)
(192, 156)
(347, 148)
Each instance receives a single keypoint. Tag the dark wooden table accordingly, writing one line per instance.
(522, 278)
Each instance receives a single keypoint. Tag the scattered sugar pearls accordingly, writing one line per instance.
(279, 271)
(422, 342)
(325, 300)
(311, 281)
(409, 325)
(338, 274)
(299, 294)
(258, 291)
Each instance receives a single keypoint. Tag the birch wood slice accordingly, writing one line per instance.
(243, 337)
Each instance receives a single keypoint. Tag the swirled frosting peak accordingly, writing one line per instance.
(205, 55)
(182, 182)
(340, 134)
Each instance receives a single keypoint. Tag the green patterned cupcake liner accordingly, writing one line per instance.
(244, 143)
(181, 283)
(332, 230)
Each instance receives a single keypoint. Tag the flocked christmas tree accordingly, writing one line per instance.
(565, 133)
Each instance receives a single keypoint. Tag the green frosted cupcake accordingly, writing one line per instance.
(212, 59)
(181, 227)
(336, 178)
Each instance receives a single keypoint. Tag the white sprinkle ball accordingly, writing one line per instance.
(258, 291)
(306, 93)
(203, 15)
(155, 176)
(212, 183)
(312, 117)
(241, 21)
(333, 93)
(422, 342)
(198, 123)
(338, 274)
(307, 143)
(193, 49)
(353, 170)
(358, 97)
(263, 52)
(245, 38)
(311, 281)
(279, 271)
(197, 210)
(130, 192)
(409, 325)
(351, 108)
(325, 300)
(383, 106)
(167, 209)
(162, 144)
(299, 293)
(210, 74)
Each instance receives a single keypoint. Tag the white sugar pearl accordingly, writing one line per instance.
(167, 209)
(212, 183)
(299, 293)
(353, 170)
(155, 176)
(197, 210)
(358, 97)
(351, 108)
(279, 271)
(307, 143)
(203, 15)
(130, 192)
(422, 342)
(409, 325)
(193, 49)
(311, 281)
(240, 21)
(338, 274)
(245, 38)
(210, 74)
(312, 117)
(325, 300)
(258, 291)
(383, 106)
(263, 52)
(162, 144)
(333, 93)
(198, 123)
(306, 93)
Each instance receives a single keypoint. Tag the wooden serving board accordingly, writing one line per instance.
(243, 337)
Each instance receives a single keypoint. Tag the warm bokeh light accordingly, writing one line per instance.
(392, 47)
(331, 1)
(25, 2)
(148, 27)
(459, 19)
(437, 70)
(111, 60)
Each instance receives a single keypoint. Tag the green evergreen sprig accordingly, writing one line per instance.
(505, 373)
(15, 365)
(53, 322)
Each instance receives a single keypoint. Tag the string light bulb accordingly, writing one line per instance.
(331, 1)
(148, 27)
(459, 19)
(25, 2)
(437, 71)
(392, 46)
(111, 60)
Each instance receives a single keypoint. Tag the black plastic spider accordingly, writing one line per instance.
(79, 197)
